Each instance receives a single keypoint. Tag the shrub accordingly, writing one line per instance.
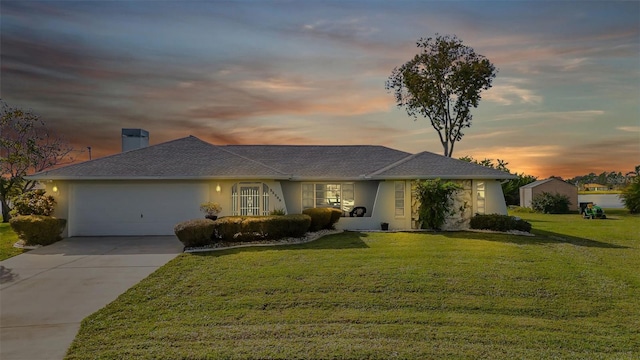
(436, 198)
(521, 210)
(210, 208)
(198, 232)
(279, 212)
(298, 225)
(631, 196)
(336, 214)
(499, 223)
(242, 229)
(33, 203)
(551, 203)
(38, 229)
(323, 218)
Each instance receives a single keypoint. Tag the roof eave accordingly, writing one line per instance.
(328, 178)
(120, 178)
(450, 177)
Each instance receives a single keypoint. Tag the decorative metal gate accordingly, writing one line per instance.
(248, 200)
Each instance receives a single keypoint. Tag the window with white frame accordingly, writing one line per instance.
(480, 197)
(336, 195)
(399, 198)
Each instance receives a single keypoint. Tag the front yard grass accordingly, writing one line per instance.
(569, 292)
(7, 239)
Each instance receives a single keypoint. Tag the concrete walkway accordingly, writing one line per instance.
(45, 293)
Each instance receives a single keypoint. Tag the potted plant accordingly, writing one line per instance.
(384, 226)
(211, 210)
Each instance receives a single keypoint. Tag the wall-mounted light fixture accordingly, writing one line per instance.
(55, 189)
(218, 188)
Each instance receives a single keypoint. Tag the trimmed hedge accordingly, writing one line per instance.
(193, 233)
(499, 223)
(273, 227)
(323, 218)
(38, 229)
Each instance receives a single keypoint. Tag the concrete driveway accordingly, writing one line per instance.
(45, 293)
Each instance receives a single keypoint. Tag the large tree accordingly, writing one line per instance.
(442, 83)
(26, 146)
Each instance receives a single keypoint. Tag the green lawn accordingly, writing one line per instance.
(571, 292)
(7, 239)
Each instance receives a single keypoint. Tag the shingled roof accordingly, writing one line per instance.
(192, 158)
(318, 162)
(426, 165)
(186, 158)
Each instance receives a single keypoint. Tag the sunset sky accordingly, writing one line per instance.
(565, 101)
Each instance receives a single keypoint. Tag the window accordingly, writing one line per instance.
(480, 200)
(399, 197)
(335, 195)
(250, 199)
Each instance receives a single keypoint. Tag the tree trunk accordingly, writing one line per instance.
(5, 210)
(445, 147)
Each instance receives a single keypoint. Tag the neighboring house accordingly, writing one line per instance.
(551, 185)
(148, 190)
(595, 187)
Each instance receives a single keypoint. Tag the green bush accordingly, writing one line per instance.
(33, 203)
(298, 224)
(521, 210)
(551, 203)
(436, 202)
(497, 222)
(631, 196)
(336, 214)
(323, 218)
(244, 229)
(192, 233)
(38, 229)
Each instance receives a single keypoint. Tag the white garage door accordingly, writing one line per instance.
(133, 208)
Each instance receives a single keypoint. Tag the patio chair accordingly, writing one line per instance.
(358, 211)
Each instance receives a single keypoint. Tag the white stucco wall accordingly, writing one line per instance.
(62, 200)
(224, 198)
(466, 203)
(495, 203)
(154, 207)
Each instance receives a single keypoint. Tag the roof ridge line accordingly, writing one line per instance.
(222, 147)
(392, 165)
(44, 172)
